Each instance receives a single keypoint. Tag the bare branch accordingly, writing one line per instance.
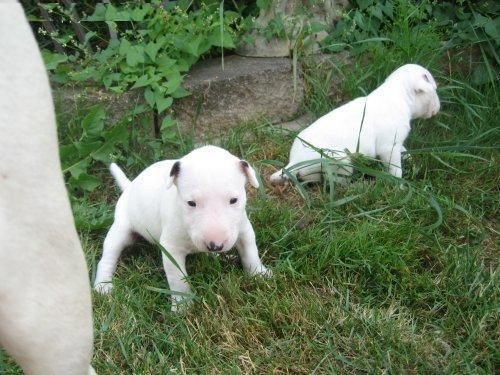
(75, 22)
(49, 26)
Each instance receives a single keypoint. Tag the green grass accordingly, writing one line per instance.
(392, 280)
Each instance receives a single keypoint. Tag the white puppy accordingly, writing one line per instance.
(45, 307)
(376, 126)
(195, 204)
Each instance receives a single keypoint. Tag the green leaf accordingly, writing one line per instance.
(173, 83)
(363, 4)
(188, 45)
(181, 92)
(67, 154)
(316, 27)
(52, 60)
(152, 49)
(124, 47)
(480, 74)
(142, 81)
(150, 97)
(108, 79)
(184, 4)
(167, 133)
(492, 28)
(164, 62)
(86, 148)
(85, 74)
(98, 15)
(112, 14)
(138, 14)
(78, 168)
(135, 55)
(192, 46)
(167, 123)
(93, 122)
(119, 133)
(226, 42)
(377, 12)
(162, 103)
(388, 9)
(85, 182)
(263, 4)
(204, 46)
(116, 135)
(104, 152)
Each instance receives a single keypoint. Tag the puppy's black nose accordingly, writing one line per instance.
(213, 247)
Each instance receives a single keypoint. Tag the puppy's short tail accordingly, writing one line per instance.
(120, 178)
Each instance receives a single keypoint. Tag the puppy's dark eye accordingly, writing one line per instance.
(233, 200)
(192, 203)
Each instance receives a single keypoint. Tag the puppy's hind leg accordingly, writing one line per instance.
(119, 236)
(277, 178)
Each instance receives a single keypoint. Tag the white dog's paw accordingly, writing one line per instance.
(278, 178)
(181, 305)
(103, 287)
(261, 271)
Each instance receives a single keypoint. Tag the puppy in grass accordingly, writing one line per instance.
(375, 126)
(194, 204)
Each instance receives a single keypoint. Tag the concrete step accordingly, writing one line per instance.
(246, 90)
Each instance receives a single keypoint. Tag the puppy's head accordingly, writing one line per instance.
(211, 186)
(420, 87)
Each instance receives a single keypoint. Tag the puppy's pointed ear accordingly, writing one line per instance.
(424, 84)
(174, 173)
(250, 173)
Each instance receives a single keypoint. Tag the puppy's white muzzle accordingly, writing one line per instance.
(434, 106)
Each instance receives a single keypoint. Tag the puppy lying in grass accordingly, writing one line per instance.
(376, 126)
(195, 204)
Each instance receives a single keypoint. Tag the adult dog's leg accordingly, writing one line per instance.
(45, 307)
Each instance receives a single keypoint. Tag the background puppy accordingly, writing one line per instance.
(379, 122)
(45, 310)
(195, 204)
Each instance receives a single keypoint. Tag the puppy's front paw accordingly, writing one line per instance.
(103, 287)
(262, 271)
(181, 305)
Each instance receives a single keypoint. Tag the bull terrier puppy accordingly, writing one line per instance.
(376, 126)
(195, 204)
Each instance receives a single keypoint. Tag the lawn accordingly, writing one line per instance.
(390, 279)
(368, 277)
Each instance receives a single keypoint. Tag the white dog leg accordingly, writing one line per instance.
(118, 237)
(393, 159)
(249, 254)
(176, 274)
